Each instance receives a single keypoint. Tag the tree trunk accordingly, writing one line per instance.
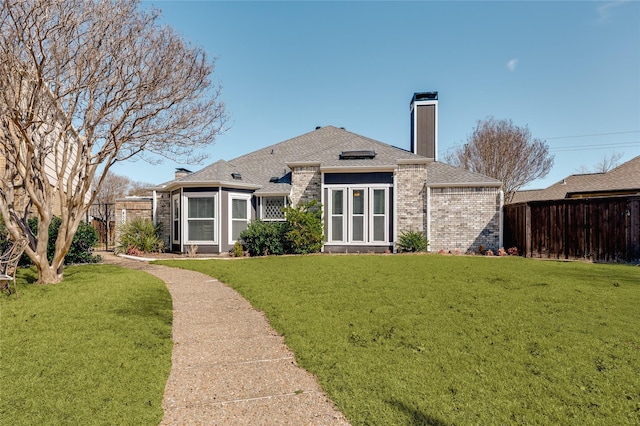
(48, 274)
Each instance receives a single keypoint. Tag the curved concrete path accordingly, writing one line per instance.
(229, 367)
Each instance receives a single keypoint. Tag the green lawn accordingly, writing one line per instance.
(442, 340)
(95, 349)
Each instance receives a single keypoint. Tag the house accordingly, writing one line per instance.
(622, 180)
(370, 191)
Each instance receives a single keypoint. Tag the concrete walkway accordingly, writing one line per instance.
(229, 367)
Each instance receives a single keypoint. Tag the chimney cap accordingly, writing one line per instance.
(182, 170)
(424, 96)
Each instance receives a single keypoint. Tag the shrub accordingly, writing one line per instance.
(412, 241)
(81, 249)
(513, 251)
(4, 236)
(141, 236)
(304, 232)
(300, 234)
(264, 238)
(238, 250)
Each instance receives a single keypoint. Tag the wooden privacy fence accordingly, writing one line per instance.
(603, 229)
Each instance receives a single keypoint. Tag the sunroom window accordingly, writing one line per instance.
(358, 215)
(239, 215)
(201, 218)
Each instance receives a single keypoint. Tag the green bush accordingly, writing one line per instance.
(300, 234)
(304, 228)
(140, 236)
(4, 235)
(412, 241)
(81, 249)
(264, 238)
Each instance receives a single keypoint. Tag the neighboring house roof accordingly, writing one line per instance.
(624, 179)
(268, 169)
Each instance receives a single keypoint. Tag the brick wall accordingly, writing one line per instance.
(411, 197)
(133, 208)
(465, 218)
(306, 184)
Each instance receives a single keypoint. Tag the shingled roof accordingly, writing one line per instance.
(624, 179)
(269, 168)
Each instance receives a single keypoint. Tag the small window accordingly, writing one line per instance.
(239, 215)
(273, 208)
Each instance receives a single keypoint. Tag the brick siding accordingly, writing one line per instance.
(465, 218)
(306, 184)
(411, 197)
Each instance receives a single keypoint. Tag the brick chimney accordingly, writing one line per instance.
(181, 172)
(424, 124)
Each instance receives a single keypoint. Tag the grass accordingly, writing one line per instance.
(440, 340)
(93, 350)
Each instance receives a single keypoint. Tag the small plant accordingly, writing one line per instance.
(238, 250)
(481, 250)
(502, 252)
(513, 251)
(412, 241)
(140, 234)
(489, 253)
(192, 251)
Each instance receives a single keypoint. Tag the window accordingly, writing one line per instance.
(238, 215)
(176, 218)
(201, 217)
(362, 219)
(337, 215)
(379, 209)
(272, 208)
(358, 201)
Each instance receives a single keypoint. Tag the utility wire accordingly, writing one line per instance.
(593, 134)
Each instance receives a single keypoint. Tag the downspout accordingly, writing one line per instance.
(219, 222)
(154, 207)
(501, 230)
(428, 189)
(324, 230)
(395, 210)
(182, 219)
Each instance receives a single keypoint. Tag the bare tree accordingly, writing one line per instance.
(113, 187)
(504, 151)
(85, 84)
(604, 165)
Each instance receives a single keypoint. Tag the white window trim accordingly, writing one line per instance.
(185, 216)
(347, 222)
(175, 238)
(343, 215)
(262, 202)
(237, 196)
(364, 215)
(372, 215)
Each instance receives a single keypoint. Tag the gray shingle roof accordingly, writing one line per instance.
(625, 177)
(442, 174)
(322, 147)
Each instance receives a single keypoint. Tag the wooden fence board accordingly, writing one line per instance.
(604, 229)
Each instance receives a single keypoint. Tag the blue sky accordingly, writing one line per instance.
(570, 71)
